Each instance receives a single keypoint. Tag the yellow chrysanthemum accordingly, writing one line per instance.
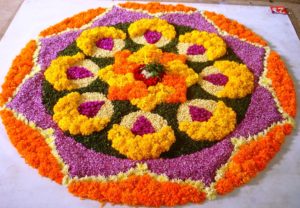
(214, 46)
(146, 55)
(68, 118)
(220, 124)
(137, 30)
(240, 79)
(56, 73)
(177, 67)
(88, 38)
(146, 146)
(108, 75)
(156, 95)
(240, 82)
(141, 26)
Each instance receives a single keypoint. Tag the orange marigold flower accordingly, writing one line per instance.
(252, 158)
(121, 65)
(167, 57)
(137, 190)
(148, 77)
(21, 66)
(178, 82)
(282, 83)
(26, 139)
(130, 91)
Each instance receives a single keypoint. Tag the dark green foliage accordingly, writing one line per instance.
(71, 50)
(50, 96)
(123, 27)
(102, 62)
(154, 68)
(198, 66)
(171, 46)
(180, 29)
(132, 46)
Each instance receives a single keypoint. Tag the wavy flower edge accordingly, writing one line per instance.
(237, 165)
(25, 138)
(137, 190)
(21, 66)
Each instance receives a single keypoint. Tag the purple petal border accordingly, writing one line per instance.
(50, 46)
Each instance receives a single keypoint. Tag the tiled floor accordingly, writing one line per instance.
(10, 7)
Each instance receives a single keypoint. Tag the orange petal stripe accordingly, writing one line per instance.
(121, 65)
(130, 91)
(252, 158)
(76, 21)
(21, 66)
(32, 147)
(282, 83)
(178, 82)
(234, 28)
(137, 190)
(167, 57)
(155, 7)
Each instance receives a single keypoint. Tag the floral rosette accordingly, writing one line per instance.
(148, 104)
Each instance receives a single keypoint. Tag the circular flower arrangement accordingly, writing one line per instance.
(148, 104)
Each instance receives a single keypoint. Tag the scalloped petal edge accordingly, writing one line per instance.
(137, 190)
(21, 66)
(252, 158)
(25, 139)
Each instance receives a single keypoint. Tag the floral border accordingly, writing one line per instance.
(21, 66)
(250, 155)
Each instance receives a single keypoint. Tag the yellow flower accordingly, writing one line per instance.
(113, 79)
(68, 118)
(220, 124)
(177, 67)
(146, 146)
(156, 95)
(137, 30)
(56, 73)
(240, 79)
(213, 45)
(146, 55)
(88, 38)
